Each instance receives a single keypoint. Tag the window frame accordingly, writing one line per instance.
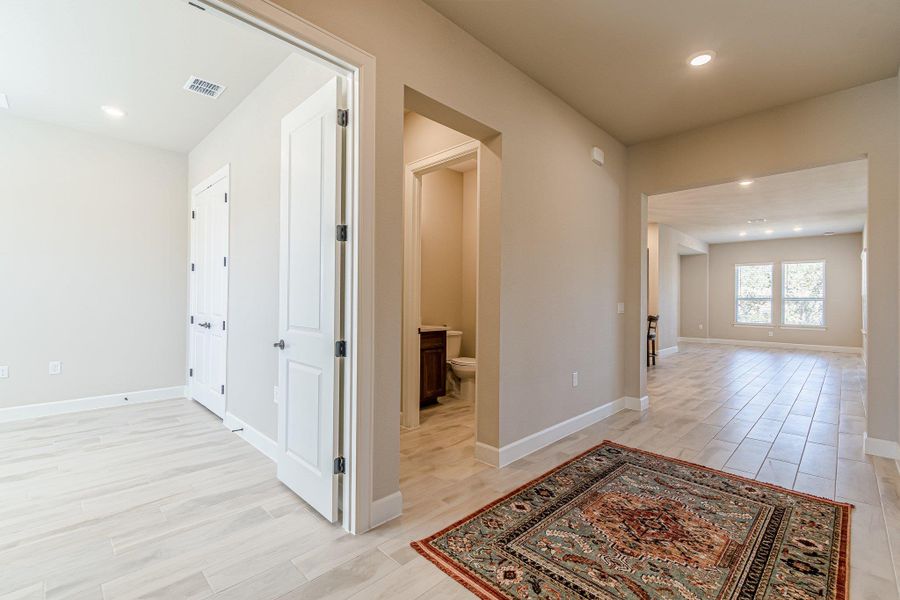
(784, 265)
(737, 298)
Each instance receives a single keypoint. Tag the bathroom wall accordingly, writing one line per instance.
(449, 253)
(469, 261)
(441, 231)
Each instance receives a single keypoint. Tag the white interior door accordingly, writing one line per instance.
(310, 300)
(208, 332)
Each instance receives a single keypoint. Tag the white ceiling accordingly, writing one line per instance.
(63, 59)
(829, 198)
(623, 63)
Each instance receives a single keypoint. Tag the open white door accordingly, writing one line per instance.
(310, 300)
(207, 327)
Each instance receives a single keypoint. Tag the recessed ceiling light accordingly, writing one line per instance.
(745, 182)
(701, 58)
(798, 228)
(742, 234)
(4, 101)
(770, 231)
(113, 111)
(828, 233)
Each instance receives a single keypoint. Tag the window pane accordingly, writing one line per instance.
(804, 312)
(754, 311)
(754, 281)
(804, 280)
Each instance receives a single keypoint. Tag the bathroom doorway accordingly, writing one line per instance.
(440, 339)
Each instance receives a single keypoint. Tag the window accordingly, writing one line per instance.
(753, 294)
(803, 294)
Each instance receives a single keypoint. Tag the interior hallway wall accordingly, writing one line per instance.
(838, 127)
(93, 255)
(694, 296)
(249, 139)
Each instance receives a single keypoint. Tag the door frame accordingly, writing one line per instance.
(358, 68)
(412, 269)
(207, 182)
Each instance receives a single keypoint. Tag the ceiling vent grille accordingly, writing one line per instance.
(203, 87)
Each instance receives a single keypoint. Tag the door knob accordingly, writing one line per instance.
(207, 325)
(279, 344)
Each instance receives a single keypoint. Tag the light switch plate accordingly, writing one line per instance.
(55, 367)
(621, 308)
(575, 379)
(4, 372)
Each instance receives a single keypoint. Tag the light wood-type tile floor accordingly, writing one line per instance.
(159, 500)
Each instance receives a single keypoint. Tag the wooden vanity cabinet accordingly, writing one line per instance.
(432, 365)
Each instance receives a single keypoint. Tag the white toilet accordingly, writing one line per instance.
(463, 367)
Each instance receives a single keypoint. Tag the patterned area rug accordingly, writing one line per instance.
(620, 523)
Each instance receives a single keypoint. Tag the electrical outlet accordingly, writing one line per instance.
(771, 333)
(575, 379)
(621, 308)
(4, 372)
(275, 396)
(55, 367)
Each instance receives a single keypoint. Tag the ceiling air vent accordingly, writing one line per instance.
(204, 87)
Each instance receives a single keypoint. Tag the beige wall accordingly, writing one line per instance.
(93, 255)
(442, 248)
(846, 125)
(469, 261)
(694, 296)
(249, 139)
(559, 241)
(843, 302)
(653, 269)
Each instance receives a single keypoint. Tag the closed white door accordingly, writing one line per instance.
(310, 296)
(209, 293)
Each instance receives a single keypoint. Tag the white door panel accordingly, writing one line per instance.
(209, 292)
(309, 300)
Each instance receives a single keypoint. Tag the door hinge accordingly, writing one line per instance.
(340, 349)
(193, 214)
(224, 261)
(340, 465)
(192, 266)
(343, 117)
(226, 197)
(192, 319)
(223, 388)
(190, 372)
(341, 233)
(223, 325)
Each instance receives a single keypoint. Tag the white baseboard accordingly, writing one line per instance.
(46, 409)
(885, 448)
(632, 403)
(667, 351)
(510, 453)
(765, 344)
(252, 436)
(387, 508)
(487, 454)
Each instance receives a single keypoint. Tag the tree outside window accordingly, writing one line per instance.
(803, 294)
(753, 294)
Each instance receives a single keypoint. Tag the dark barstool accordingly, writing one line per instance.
(651, 338)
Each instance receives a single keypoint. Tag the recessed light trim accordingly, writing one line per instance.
(745, 182)
(756, 221)
(828, 233)
(743, 234)
(798, 228)
(113, 111)
(700, 59)
(770, 231)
